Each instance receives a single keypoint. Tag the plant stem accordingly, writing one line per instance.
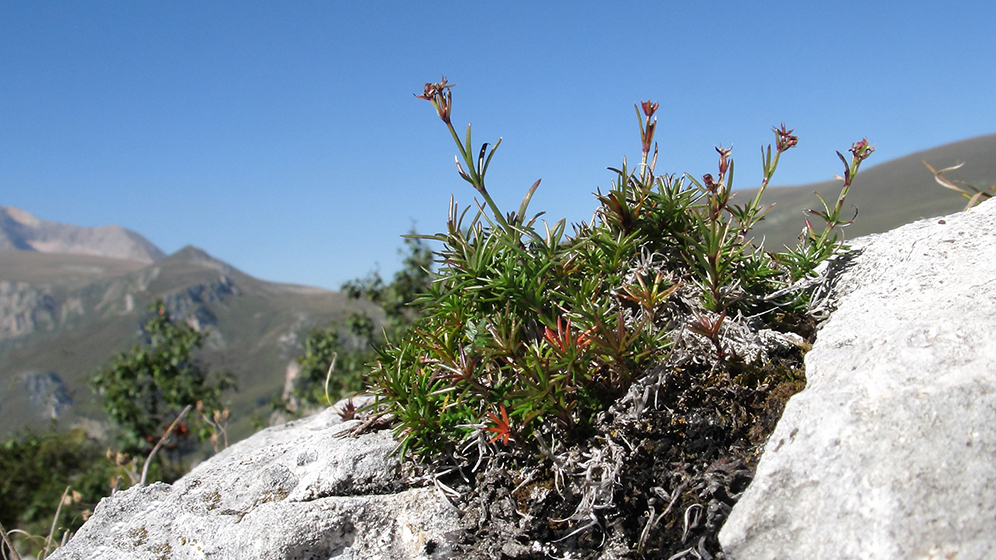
(475, 178)
(10, 545)
(55, 520)
(169, 430)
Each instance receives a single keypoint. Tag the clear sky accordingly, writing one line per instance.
(283, 137)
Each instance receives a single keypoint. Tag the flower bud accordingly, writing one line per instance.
(724, 159)
(785, 139)
(649, 107)
(862, 150)
(440, 97)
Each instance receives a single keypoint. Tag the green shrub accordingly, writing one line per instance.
(36, 469)
(526, 328)
(323, 348)
(144, 389)
(399, 299)
(316, 385)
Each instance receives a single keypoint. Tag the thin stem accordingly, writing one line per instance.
(10, 545)
(475, 179)
(55, 519)
(145, 467)
(768, 174)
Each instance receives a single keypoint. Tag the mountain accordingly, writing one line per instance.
(886, 195)
(63, 316)
(20, 231)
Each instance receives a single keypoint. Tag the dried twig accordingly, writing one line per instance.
(10, 545)
(162, 440)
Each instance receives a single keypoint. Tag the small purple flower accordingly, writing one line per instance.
(438, 94)
(649, 107)
(785, 138)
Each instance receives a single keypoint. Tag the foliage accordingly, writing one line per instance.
(322, 349)
(399, 299)
(145, 388)
(353, 355)
(526, 328)
(51, 481)
(37, 468)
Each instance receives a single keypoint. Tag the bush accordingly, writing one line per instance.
(527, 329)
(146, 388)
(352, 354)
(316, 385)
(36, 469)
(399, 299)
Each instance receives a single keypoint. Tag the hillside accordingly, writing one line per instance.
(886, 195)
(62, 317)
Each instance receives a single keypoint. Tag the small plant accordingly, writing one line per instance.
(218, 423)
(528, 330)
(44, 546)
(818, 244)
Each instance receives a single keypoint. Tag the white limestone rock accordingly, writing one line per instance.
(297, 491)
(890, 451)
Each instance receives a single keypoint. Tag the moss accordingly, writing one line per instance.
(163, 550)
(213, 500)
(138, 535)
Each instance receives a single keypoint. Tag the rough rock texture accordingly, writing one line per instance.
(890, 451)
(297, 491)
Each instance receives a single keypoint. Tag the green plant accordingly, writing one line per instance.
(399, 299)
(51, 481)
(144, 389)
(324, 356)
(319, 382)
(527, 330)
(818, 244)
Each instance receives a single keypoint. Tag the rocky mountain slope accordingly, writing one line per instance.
(20, 231)
(63, 316)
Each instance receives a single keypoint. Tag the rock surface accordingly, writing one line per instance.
(297, 491)
(890, 451)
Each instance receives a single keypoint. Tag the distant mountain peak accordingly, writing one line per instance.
(22, 231)
(22, 217)
(200, 257)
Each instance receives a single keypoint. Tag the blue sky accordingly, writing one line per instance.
(283, 137)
